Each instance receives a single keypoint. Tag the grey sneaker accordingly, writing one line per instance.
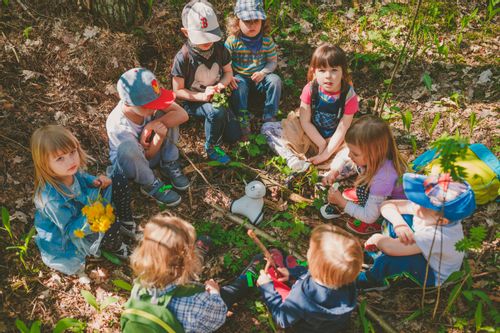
(129, 229)
(162, 193)
(172, 170)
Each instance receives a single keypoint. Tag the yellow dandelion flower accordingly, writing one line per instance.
(79, 233)
(109, 210)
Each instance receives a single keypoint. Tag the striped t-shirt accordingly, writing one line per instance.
(244, 61)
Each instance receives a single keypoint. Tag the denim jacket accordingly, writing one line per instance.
(56, 218)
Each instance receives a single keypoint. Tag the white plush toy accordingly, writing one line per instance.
(251, 204)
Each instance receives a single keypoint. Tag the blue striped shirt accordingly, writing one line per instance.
(244, 61)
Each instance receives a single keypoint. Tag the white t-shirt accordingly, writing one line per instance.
(120, 129)
(451, 259)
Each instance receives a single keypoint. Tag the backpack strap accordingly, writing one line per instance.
(314, 96)
(485, 155)
(151, 317)
(342, 98)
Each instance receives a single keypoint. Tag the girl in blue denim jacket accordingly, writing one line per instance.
(62, 189)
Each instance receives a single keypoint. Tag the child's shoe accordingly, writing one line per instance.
(329, 211)
(366, 284)
(363, 228)
(129, 230)
(217, 154)
(122, 252)
(350, 194)
(204, 245)
(252, 267)
(172, 170)
(162, 193)
(278, 257)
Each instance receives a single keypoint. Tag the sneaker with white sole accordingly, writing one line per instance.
(172, 170)
(129, 230)
(330, 211)
(162, 193)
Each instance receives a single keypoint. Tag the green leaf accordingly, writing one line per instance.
(455, 276)
(65, 323)
(108, 301)
(111, 257)
(453, 297)
(478, 316)
(214, 163)
(21, 326)
(122, 284)
(260, 139)
(414, 315)
(426, 78)
(90, 299)
(434, 123)
(6, 221)
(235, 164)
(36, 327)
(482, 295)
(26, 32)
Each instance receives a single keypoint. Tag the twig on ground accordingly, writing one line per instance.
(381, 322)
(15, 142)
(195, 167)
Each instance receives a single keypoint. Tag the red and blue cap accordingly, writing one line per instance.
(440, 193)
(139, 87)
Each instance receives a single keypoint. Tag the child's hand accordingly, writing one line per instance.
(263, 278)
(330, 177)
(285, 274)
(160, 129)
(101, 181)
(372, 242)
(219, 87)
(335, 197)
(257, 77)
(318, 159)
(212, 287)
(209, 92)
(234, 83)
(404, 233)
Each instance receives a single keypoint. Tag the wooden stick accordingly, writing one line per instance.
(381, 322)
(257, 241)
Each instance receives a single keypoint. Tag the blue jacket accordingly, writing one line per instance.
(311, 307)
(56, 218)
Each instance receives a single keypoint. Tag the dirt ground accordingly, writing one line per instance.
(58, 64)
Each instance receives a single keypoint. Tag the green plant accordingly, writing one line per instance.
(91, 300)
(27, 31)
(279, 163)
(255, 146)
(5, 2)
(6, 221)
(263, 315)
(451, 148)
(430, 129)
(221, 99)
(64, 324)
(367, 325)
(473, 120)
(35, 327)
(474, 241)
(427, 80)
(22, 249)
(492, 8)
(121, 284)
(111, 257)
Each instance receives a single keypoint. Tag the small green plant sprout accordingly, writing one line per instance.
(456, 98)
(255, 146)
(22, 249)
(427, 80)
(430, 129)
(75, 325)
(492, 8)
(221, 99)
(111, 257)
(473, 120)
(264, 316)
(27, 31)
(123, 285)
(279, 163)
(92, 301)
(5, 2)
(35, 327)
(6, 221)
(365, 323)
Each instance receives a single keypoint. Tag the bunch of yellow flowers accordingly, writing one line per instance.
(99, 217)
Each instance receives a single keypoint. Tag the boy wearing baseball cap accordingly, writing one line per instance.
(202, 68)
(143, 132)
(421, 231)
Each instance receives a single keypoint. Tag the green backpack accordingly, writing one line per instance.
(141, 315)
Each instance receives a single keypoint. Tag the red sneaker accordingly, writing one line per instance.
(350, 194)
(363, 228)
(277, 256)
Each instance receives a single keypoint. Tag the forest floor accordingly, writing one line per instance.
(59, 64)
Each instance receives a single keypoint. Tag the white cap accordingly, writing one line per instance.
(199, 19)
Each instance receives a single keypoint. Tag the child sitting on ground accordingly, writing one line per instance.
(143, 133)
(323, 298)
(167, 264)
(372, 148)
(62, 189)
(422, 232)
(328, 104)
(254, 60)
(201, 69)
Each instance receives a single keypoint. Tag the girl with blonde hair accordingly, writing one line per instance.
(372, 149)
(167, 262)
(62, 189)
